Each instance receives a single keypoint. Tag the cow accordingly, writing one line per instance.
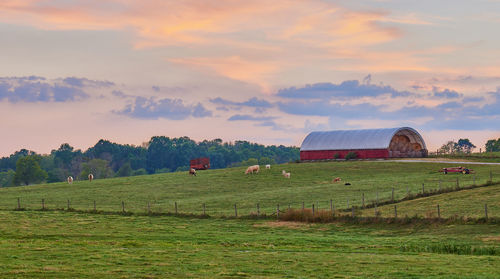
(70, 180)
(252, 169)
(268, 167)
(192, 172)
(287, 175)
(91, 177)
(336, 179)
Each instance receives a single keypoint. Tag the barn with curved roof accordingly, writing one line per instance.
(369, 143)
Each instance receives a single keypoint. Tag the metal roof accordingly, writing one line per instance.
(358, 139)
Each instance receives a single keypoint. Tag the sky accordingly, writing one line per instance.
(270, 72)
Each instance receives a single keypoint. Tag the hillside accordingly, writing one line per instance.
(221, 189)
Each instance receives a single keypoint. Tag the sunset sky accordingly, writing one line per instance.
(270, 72)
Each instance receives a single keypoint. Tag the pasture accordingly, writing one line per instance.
(220, 190)
(57, 244)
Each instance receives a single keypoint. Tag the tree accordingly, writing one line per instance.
(98, 167)
(28, 170)
(125, 170)
(7, 178)
(464, 146)
(493, 145)
(448, 147)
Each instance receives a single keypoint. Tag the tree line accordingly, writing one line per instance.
(161, 154)
(464, 146)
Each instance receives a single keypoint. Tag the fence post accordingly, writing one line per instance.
(458, 185)
(407, 190)
(289, 206)
(439, 212)
(395, 212)
(258, 209)
(486, 211)
(439, 185)
(303, 207)
(204, 209)
(491, 176)
(375, 210)
(43, 204)
(423, 188)
(235, 211)
(175, 204)
(313, 209)
(18, 203)
(352, 210)
(392, 196)
(347, 203)
(123, 206)
(377, 199)
(363, 200)
(331, 205)
(68, 205)
(94, 206)
(278, 210)
(474, 179)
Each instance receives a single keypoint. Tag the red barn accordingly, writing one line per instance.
(200, 163)
(370, 143)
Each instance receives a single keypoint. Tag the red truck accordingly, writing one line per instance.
(200, 163)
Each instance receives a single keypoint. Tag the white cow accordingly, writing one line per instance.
(70, 180)
(252, 169)
(91, 177)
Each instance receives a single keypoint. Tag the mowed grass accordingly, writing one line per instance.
(55, 244)
(221, 189)
(464, 203)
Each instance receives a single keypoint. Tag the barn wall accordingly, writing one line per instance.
(328, 154)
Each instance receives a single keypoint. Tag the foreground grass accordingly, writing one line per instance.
(221, 189)
(37, 244)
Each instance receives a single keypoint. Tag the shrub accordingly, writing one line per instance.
(336, 156)
(351, 155)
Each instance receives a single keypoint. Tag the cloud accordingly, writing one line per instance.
(36, 89)
(346, 89)
(446, 93)
(84, 82)
(246, 117)
(252, 102)
(173, 109)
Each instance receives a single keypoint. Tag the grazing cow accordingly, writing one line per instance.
(252, 169)
(91, 177)
(268, 167)
(70, 180)
(287, 175)
(336, 179)
(283, 172)
(192, 172)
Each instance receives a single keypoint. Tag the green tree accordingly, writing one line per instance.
(28, 170)
(125, 170)
(464, 146)
(492, 145)
(98, 167)
(7, 178)
(448, 148)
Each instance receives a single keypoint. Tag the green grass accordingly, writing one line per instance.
(54, 244)
(464, 203)
(476, 157)
(221, 189)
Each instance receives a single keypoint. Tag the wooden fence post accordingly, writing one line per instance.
(303, 206)
(423, 189)
(486, 211)
(204, 209)
(392, 196)
(123, 206)
(18, 203)
(235, 211)
(347, 203)
(258, 209)
(68, 205)
(94, 206)
(491, 176)
(395, 212)
(43, 204)
(363, 200)
(375, 208)
(149, 207)
(377, 199)
(352, 212)
(439, 212)
(278, 210)
(474, 179)
(313, 209)
(175, 204)
(331, 205)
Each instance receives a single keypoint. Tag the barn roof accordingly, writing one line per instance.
(357, 139)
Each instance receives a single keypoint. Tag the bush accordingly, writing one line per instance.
(336, 156)
(351, 155)
(139, 172)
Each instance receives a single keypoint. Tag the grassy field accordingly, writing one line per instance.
(221, 189)
(54, 244)
(466, 203)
